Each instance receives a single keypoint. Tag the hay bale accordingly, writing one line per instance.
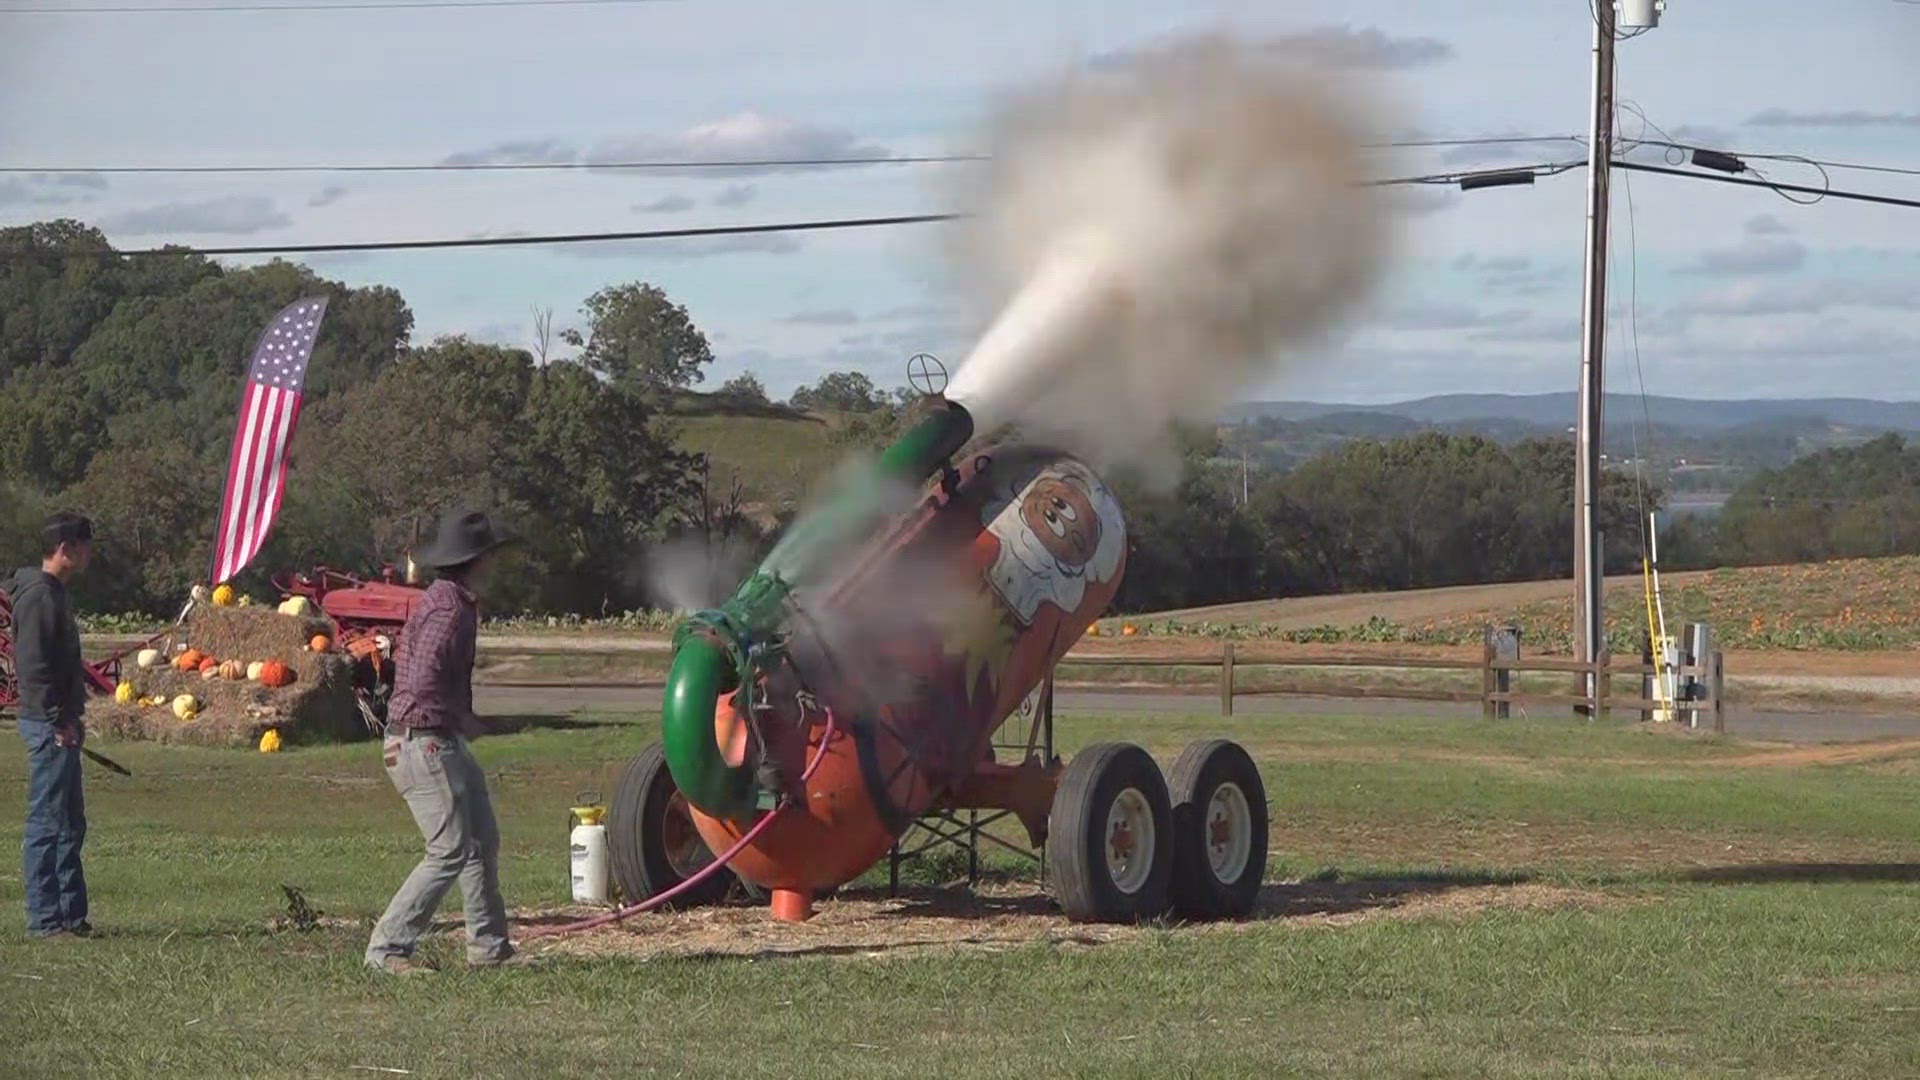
(318, 707)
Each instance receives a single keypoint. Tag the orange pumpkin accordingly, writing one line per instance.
(275, 673)
(189, 660)
(1129, 630)
(233, 670)
(208, 663)
(320, 643)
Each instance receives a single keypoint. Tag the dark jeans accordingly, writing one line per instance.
(56, 827)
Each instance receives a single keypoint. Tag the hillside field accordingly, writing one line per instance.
(1856, 605)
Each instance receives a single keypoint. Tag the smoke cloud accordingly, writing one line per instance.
(1158, 237)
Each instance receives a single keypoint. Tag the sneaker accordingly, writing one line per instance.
(403, 965)
(82, 929)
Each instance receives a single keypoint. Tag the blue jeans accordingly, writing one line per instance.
(56, 827)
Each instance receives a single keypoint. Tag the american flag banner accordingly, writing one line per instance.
(270, 406)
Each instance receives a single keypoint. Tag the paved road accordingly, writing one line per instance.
(1781, 726)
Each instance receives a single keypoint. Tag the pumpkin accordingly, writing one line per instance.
(1129, 630)
(147, 658)
(270, 741)
(189, 660)
(210, 673)
(254, 669)
(320, 643)
(186, 706)
(246, 601)
(198, 592)
(233, 670)
(296, 606)
(206, 664)
(275, 673)
(223, 596)
(125, 693)
(1094, 630)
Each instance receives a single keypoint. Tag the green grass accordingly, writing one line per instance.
(777, 458)
(1787, 965)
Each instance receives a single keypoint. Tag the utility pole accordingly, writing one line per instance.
(1589, 558)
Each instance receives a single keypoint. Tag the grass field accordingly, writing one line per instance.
(1848, 605)
(1452, 899)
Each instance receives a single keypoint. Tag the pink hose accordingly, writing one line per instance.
(704, 872)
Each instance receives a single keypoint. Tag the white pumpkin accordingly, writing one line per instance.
(186, 706)
(296, 606)
(199, 593)
(148, 658)
(253, 670)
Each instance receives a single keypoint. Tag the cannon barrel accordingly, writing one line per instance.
(716, 651)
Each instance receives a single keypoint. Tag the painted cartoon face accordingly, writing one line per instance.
(1061, 515)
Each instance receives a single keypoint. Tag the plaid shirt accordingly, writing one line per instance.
(433, 677)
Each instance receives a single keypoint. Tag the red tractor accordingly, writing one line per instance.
(367, 617)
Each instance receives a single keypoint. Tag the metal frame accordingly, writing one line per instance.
(964, 830)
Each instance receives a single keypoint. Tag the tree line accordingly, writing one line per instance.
(119, 376)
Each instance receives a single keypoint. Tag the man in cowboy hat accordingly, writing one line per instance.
(429, 720)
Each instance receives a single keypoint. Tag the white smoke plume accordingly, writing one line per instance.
(1156, 238)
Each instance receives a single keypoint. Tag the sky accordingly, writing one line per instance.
(1717, 291)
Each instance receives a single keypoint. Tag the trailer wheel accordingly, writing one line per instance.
(651, 840)
(1110, 836)
(1220, 831)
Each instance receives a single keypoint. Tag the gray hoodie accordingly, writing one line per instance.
(46, 648)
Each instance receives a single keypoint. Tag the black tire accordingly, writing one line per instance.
(1217, 881)
(1078, 830)
(644, 809)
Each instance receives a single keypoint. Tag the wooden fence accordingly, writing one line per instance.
(1496, 694)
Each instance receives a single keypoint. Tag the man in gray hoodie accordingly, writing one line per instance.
(53, 703)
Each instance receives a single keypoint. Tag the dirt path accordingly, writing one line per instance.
(869, 924)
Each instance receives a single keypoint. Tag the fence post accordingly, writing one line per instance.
(1486, 673)
(1649, 684)
(1719, 685)
(1226, 679)
(1603, 682)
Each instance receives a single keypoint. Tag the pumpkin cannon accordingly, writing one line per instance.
(857, 677)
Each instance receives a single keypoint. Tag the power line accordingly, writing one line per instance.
(651, 234)
(746, 163)
(352, 5)
(1833, 193)
(499, 241)
(509, 166)
(1852, 166)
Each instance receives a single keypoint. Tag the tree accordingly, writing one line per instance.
(842, 391)
(745, 387)
(638, 337)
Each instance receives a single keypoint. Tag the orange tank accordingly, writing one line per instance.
(912, 658)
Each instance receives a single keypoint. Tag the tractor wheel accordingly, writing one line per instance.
(1220, 831)
(651, 840)
(1110, 836)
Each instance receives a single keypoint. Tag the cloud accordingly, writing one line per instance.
(1803, 297)
(1422, 199)
(1333, 46)
(230, 215)
(1534, 328)
(1344, 46)
(689, 247)
(1494, 153)
(914, 312)
(746, 136)
(1446, 317)
(834, 317)
(516, 152)
(327, 196)
(1767, 225)
(670, 204)
(1852, 118)
(736, 195)
(1513, 275)
(1751, 257)
(51, 189)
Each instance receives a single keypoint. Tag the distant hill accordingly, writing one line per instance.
(1558, 411)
